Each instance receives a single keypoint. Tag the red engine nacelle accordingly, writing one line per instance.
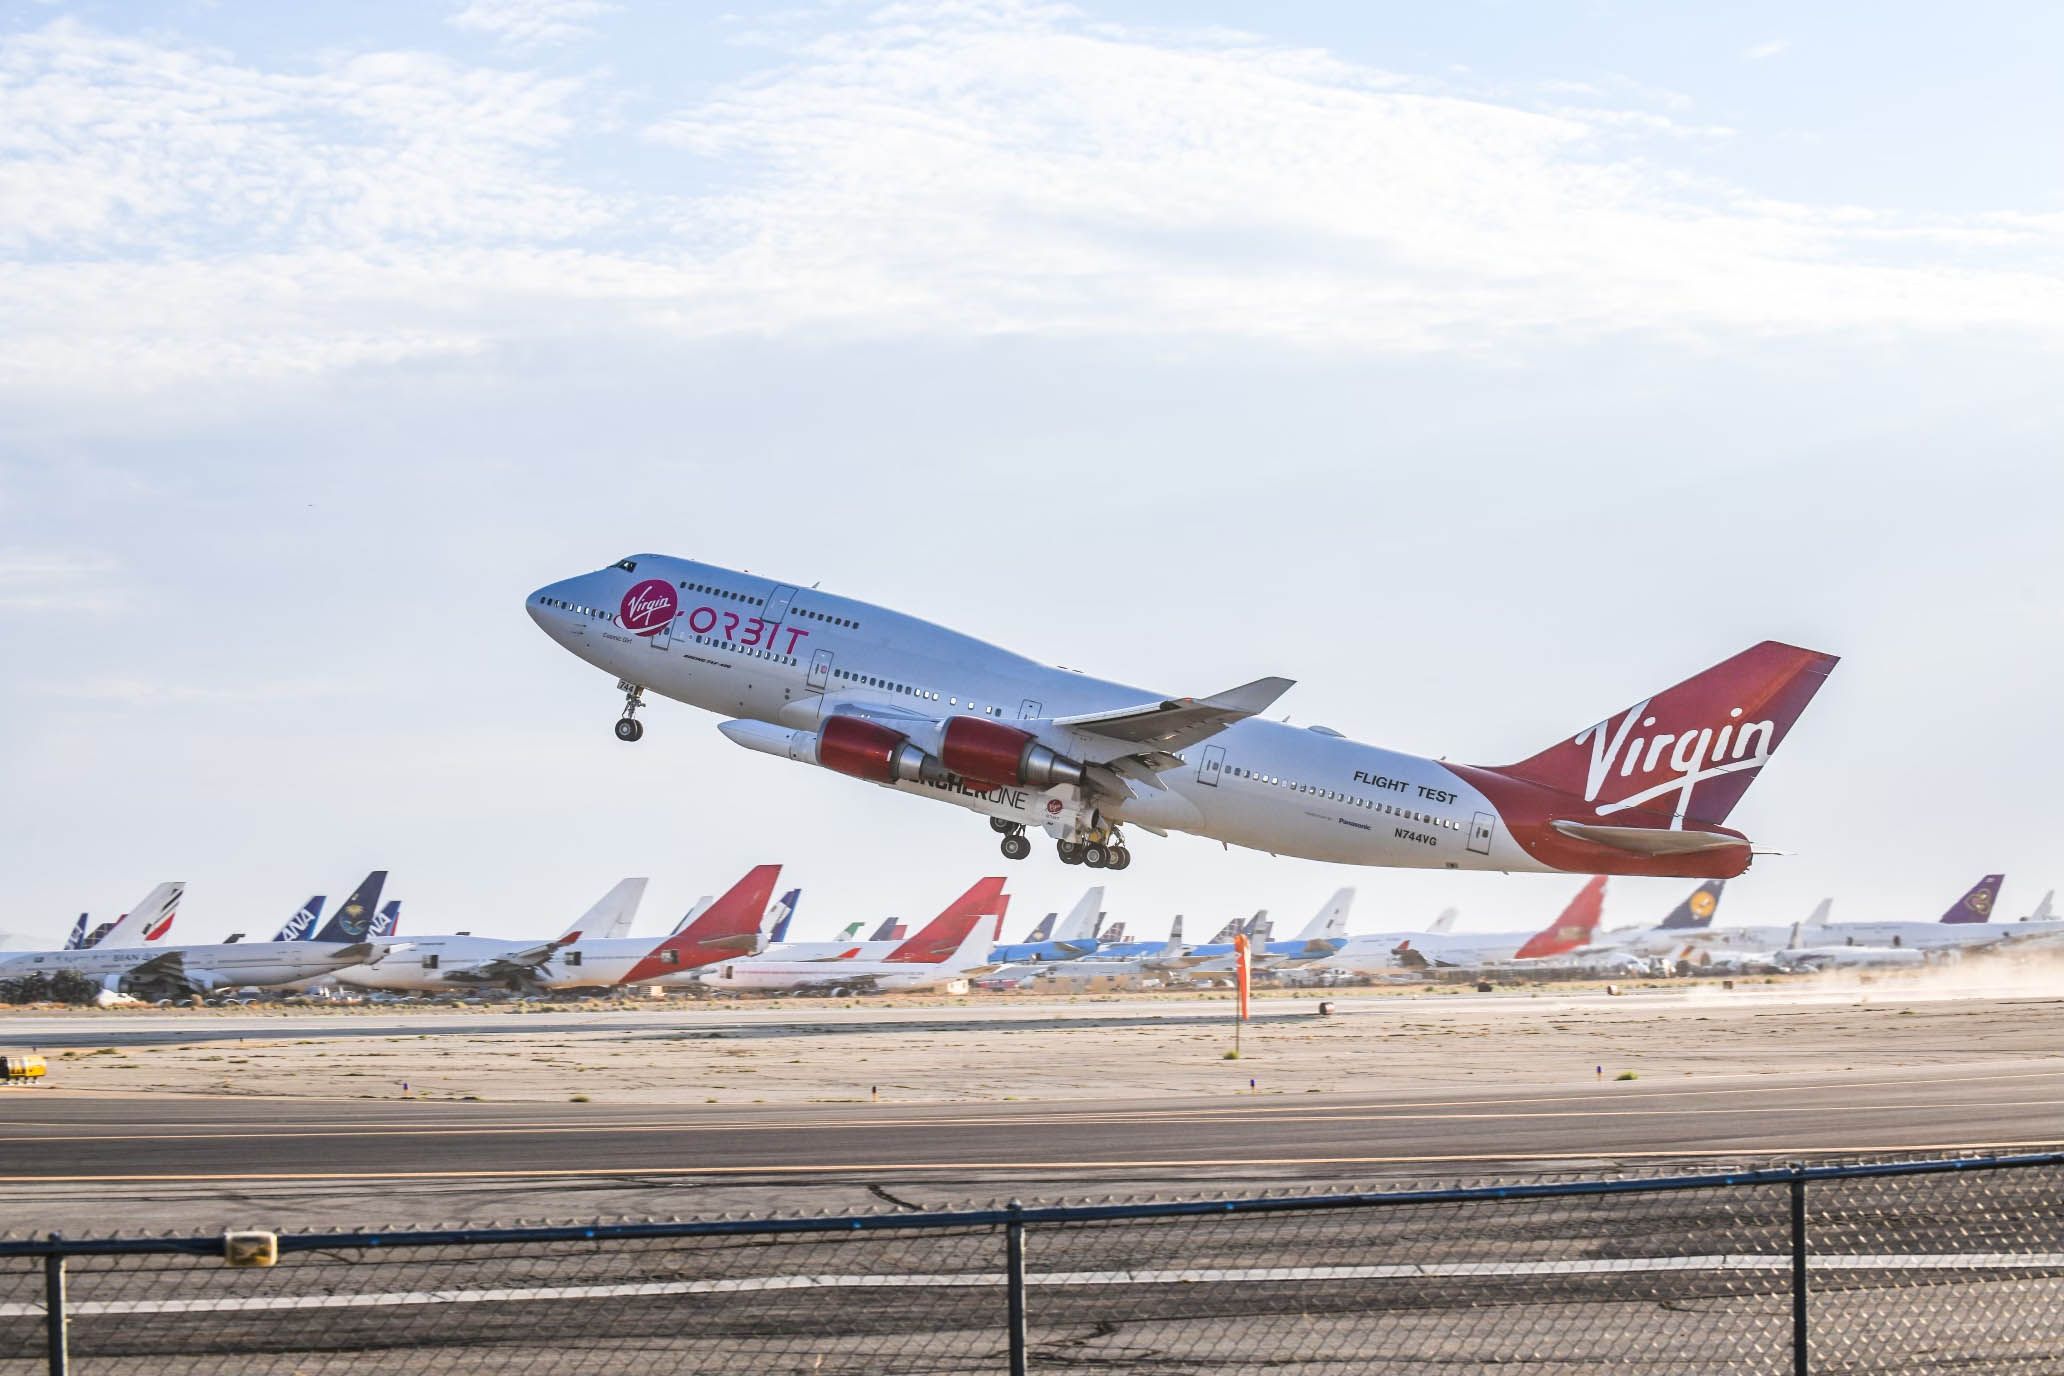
(989, 752)
(868, 750)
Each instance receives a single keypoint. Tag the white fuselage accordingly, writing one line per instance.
(1379, 950)
(757, 974)
(227, 965)
(1902, 935)
(752, 649)
(434, 963)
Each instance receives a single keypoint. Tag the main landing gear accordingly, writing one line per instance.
(628, 727)
(1107, 854)
(1103, 850)
(1015, 846)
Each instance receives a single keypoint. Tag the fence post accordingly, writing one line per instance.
(1798, 1275)
(1014, 1267)
(55, 1319)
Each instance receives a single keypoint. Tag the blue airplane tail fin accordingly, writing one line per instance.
(390, 919)
(301, 926)
(354, 919)
(1698, 907)
(78, 936)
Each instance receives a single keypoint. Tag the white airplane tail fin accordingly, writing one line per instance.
(1819, 916)
(1331, 920)
(149, 920)
(2042, 911)
(612, 914)
(1080, 923)
(1445, 922)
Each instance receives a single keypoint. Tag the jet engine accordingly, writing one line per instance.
(989, 752)
(879, 754)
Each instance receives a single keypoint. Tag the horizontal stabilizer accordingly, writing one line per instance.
(1648, 840)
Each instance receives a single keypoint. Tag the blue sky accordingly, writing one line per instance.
(1480, 367)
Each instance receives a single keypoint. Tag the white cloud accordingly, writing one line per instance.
(522, 25)
(171, 215)
(1761, 52)
(49, 580)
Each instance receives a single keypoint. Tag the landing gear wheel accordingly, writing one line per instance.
(628, 727)
(1016, 847)
(1004, 825)
(1070, 853)
(1120, 858)
(1096, 856)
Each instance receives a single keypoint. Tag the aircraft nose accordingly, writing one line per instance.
(549, 605)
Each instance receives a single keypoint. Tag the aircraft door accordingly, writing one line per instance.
(1480, 828)
(1211, 765)
(664, 637)
(1028, 710)
(820, 671)
(776, 610)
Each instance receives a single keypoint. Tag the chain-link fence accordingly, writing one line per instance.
(1895, 1267)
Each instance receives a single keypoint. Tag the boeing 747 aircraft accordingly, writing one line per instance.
(901, 702)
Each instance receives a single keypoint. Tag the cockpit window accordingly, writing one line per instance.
(627, 565)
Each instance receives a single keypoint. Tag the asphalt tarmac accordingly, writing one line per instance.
(58, 1136)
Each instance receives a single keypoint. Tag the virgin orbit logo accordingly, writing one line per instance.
(649, 608)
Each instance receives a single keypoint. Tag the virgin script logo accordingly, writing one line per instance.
(649, 608)
(1685, 760)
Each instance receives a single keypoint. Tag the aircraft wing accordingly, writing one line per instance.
(514, 970)
(1173, 724)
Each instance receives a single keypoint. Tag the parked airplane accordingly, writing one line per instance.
(462, 960)
(952, 946)
(1170, 949)
(162, 969)
(1965, 923)
(1320, 938)
(1572, 928)
(729, 928)
(1074, 938)
(905, 703)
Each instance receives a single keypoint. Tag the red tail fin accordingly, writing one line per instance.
(1688, 753)
(727, 928)
(942, 936)
(1571, 930)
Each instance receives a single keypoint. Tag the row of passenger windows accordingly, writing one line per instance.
(829, 619)
(707, 591)
(575, 609)
(870, 681)
(1335, 796)
(750, 651)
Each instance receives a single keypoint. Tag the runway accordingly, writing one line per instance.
(55, 1137)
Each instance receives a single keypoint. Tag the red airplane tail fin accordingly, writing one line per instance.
(1687, 754)
(1573, 928)
(726, 928)
(943, 935)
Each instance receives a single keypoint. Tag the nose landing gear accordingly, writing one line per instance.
(628, 727)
